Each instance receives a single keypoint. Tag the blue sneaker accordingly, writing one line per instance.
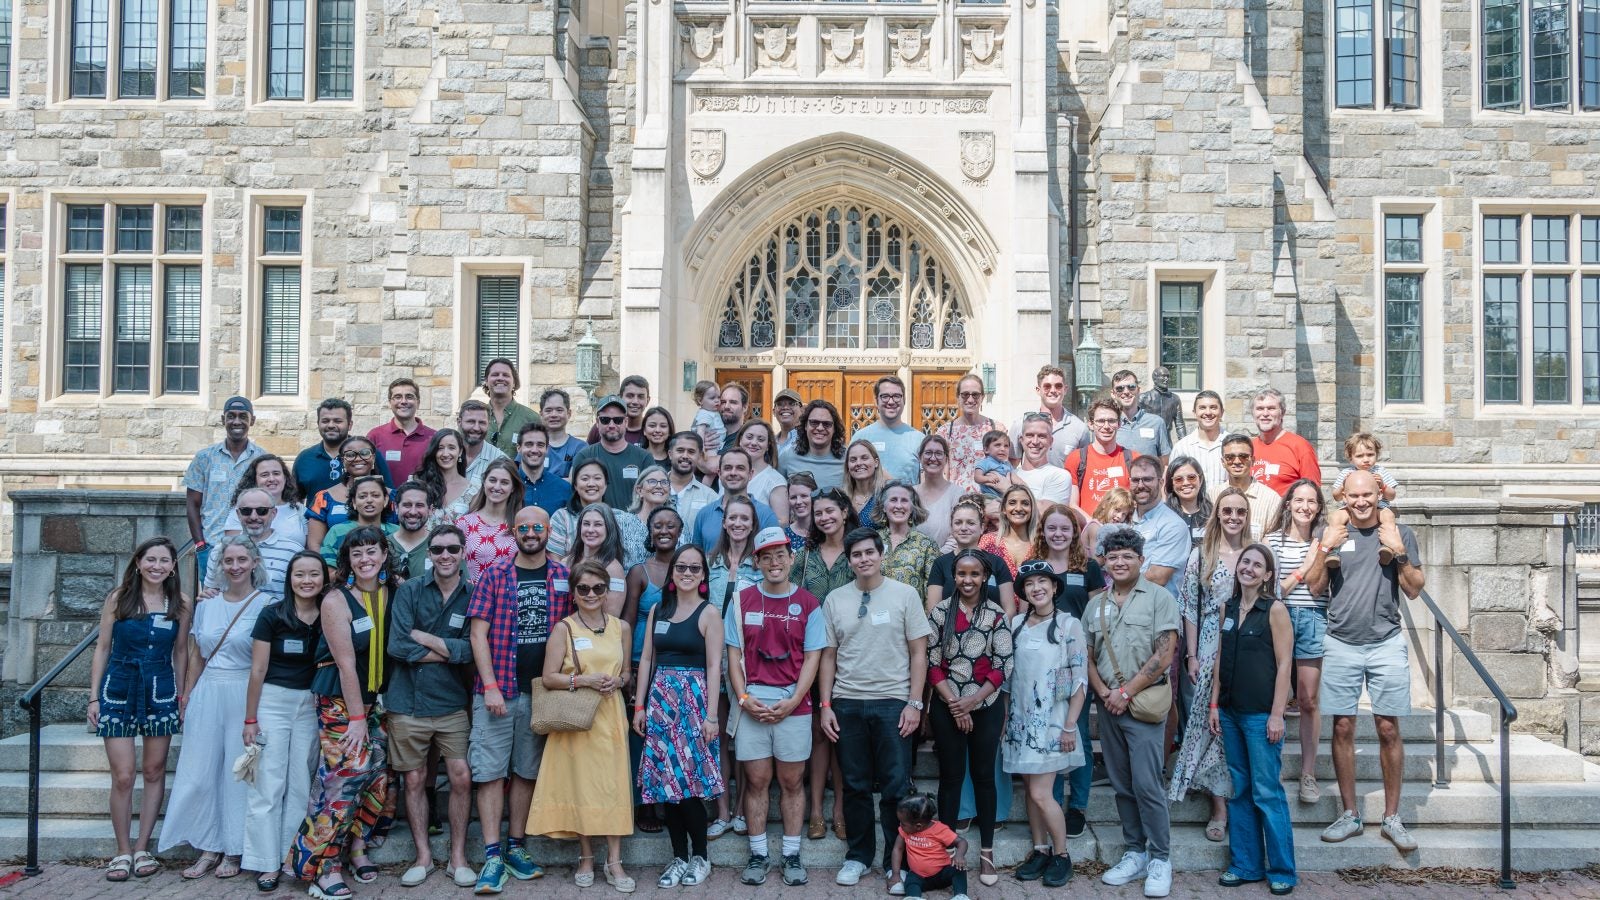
(521, 865)
(492, 880)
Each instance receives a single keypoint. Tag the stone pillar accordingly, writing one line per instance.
(70, 550)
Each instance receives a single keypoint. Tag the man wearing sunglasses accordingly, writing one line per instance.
(427, 698)
(1140, 430)
(514, 605)
(872, 672)
(623, 461)
(1067, 431)
(256, 514)
(1238, 458)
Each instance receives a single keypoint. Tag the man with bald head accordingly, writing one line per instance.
(257, 511)
(514, 605)
(1365, 647)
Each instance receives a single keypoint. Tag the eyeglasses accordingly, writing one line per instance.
(1236, 457)
(891, 398)
(535, 528)
(609, 420)
(590, 590)
(656, 482)
(356, 454)
(688, 568)
(1126, 388)
(437, 550)
(254, 510)
(866, 597)
(970, 395)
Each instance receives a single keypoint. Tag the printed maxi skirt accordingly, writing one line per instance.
(678, 763)
(351, 796)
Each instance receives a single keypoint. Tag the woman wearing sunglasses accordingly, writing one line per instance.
(358, 458)
(583, 790)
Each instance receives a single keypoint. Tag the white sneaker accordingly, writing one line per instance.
(1158, 878)
(673, 876)
(898, 889)
(1396, 832)
(1132, 865)
(850, 873)
(699, 871)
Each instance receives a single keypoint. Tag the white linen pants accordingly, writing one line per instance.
(282, 790)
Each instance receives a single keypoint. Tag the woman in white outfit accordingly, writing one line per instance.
(281, 715)
(207, 809)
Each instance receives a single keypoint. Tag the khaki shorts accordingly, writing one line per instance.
(410, 738)
(786, 741)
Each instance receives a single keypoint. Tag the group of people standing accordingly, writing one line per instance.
(781, 607)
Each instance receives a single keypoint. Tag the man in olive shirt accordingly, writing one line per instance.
(413, 506)
(1132, 627)
(427, 697)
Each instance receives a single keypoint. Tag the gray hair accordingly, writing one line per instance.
(1266, 393)
(919, 513)
(258, 575)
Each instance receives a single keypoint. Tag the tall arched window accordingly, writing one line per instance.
(843, 277)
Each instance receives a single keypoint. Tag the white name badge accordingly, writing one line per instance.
(1349, 546)
(361, 625)
(1227, 624)
(663, 627)
(162, 622)
(754, 619)
(880, 618)
(294, 645)
(559, 584)
(1272, 469)
(630, 472)
(457, 620)
(582, 644)
(1197, 532)
(391, 455)
(619, 584)
(1075, 579)
(1033, 644)
(1147, 433)
(1114, 472)
(880, 446)
(339, 509)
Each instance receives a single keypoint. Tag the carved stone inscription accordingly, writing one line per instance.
(839, 105)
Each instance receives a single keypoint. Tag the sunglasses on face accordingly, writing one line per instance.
(1236, 457)
(970, 395)
(589, 590)
(815, 424)
(535, 528)
(1126, 388)
(254, 510)
(437, 550)
(609, 420)
(688, 568)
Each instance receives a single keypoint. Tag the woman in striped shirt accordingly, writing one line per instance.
(1303, 582)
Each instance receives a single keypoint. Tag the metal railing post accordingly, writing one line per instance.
(1506, 883)
(1441, 774)
(34, 715)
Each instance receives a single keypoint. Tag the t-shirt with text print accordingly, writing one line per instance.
(1101, 473)
(533, 623)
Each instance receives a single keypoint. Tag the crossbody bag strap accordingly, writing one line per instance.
(243, 605)
(1111, 634)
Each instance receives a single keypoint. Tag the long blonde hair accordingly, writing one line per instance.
(1211, 542)
(853, 488)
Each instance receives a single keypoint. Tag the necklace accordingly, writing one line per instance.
(600, 630)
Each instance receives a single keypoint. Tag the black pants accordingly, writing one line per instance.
(686, 826)
(872, 755)
(955, 750)
(949, 876)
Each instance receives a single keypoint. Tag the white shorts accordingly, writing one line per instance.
(1384, 669)
(787, 741)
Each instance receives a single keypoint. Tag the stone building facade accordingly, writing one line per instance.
(1384, 210)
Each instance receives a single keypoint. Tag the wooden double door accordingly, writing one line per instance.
(932, 400)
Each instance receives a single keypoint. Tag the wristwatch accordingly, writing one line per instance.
(917, 705)
(1403, 559)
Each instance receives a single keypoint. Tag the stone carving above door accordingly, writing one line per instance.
(977, 154)
(774, 43)
(981, 47)
(702, 45)
(707, 149)
(909, 47)
(842, 46)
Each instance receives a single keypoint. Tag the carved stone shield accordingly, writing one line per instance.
(982, 44)
(842, 41)
(908, 41)
(702, 41)
(706, 151)
(775, 41)
(977, 154)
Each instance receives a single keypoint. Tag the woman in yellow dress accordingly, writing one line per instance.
(584, 789)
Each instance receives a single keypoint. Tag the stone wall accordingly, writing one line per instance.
(71, 548)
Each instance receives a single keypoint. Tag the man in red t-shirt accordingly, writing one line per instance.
(775, 634)
(1102, 465)
(1282, 457)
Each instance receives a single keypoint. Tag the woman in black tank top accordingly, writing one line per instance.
(1248, 695)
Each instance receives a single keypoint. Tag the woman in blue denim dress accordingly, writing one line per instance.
(138, 664)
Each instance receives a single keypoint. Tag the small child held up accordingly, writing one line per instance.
(1362, 449)
(927, 851)
(708, 415)
(994, 472)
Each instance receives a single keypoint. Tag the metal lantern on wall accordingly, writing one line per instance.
(1087, 363)
(588, 360)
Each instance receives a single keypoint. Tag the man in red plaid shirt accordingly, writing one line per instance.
(514, 605)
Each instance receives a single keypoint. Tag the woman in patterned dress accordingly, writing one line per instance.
(682, 664)
(965, 433)
(1019, 519)
(488, 526)
(1207, 585)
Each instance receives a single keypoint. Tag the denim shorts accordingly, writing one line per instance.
(1310, 627)
(1384, 669)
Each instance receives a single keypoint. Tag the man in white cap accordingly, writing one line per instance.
(775, 634)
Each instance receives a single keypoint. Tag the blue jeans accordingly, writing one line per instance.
(1258, 813)
(1081, 778)
(872, 752)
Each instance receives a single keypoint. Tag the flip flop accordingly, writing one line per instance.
(224, 872)
(202, 866)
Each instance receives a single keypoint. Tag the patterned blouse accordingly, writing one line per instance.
(969, 654)
(811, 573)
(992, 542)
(966, 448)
(910, 561)
(486, 543)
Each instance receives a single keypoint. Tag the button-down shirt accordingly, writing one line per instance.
(708, 523)
(1207, 453)
(688, 502)
(558, 458)
(494, 599)
(503, 432)
(547, 492)
(1166, 538)
(214, 473)
(316, 470)
(487, 453)
(1145, 434)
(1133, 627)
(402, 451)
(428, 689)
(1264, 506)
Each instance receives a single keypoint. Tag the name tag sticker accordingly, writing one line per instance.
(339, 509)
(879, 446)
(559, 584)
(1147, 433)
(294, 645)
(1114, 472)
(663, 627)
(1227, 624)
(1075, 579)
(630, 472)
(162, 622)
(880, 618)
(391, 455)
(1349, 546)
(361, 625)
(1198, 532)
(1272, 469)
(582, 644)
(457, 620)
(754, 619)
(619, 584)
(1033, 644)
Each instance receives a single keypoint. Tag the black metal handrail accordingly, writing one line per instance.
(1508, 714)
(32, 701)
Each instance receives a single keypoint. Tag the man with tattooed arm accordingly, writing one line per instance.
(1132, 628)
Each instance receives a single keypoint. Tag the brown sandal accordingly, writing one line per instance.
(202, 866)
(817, 830)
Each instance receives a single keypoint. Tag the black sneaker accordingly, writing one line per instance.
(794, 873)
(1058, 871)
(1033, 867)
(1075, 823)
(755, 871)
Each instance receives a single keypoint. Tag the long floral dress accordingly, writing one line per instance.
(1200, 763)
(1044, 678)
(966, 448)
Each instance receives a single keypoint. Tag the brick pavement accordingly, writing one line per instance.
(83, 883)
